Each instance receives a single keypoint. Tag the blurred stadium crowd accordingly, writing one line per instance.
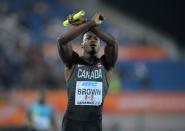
(29, 57)
(23, 63)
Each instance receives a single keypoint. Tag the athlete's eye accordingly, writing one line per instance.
(89, 37)
(95, 38)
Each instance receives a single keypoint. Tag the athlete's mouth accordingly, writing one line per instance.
(93, 45)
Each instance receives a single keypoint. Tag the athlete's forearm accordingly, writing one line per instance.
(75, 31)
(103, 35)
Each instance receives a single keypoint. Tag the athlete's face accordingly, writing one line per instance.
(41, 96)
(91, 43)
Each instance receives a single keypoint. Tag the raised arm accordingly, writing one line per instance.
(65, 49)
(111, 49)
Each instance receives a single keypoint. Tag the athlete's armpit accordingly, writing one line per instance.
(68, 56)
(110, 55)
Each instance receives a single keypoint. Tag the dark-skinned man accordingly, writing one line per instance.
(87, 76)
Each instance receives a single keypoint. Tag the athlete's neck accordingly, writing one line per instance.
(90, 59)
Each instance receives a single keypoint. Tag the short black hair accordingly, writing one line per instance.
(82, 35)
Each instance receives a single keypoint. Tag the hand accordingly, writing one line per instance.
(76, 22)
(98, 18)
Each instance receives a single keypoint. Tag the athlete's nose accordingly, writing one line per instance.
(93, 41)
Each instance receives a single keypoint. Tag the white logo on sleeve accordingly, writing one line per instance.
(88, 93)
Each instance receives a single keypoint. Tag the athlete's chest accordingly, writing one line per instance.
(89, 84)
(89, 72)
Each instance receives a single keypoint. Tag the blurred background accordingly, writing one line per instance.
(147, 92)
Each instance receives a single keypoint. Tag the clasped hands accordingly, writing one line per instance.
(98, 18)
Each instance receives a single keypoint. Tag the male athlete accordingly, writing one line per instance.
(87, 76)
(41, 115)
